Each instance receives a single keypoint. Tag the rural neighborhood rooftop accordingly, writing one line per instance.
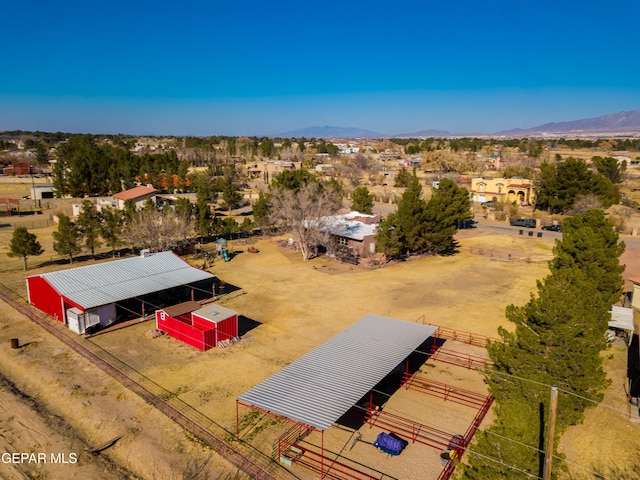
(321, 386)
(347, 225)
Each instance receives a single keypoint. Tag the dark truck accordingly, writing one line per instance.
(524, 222)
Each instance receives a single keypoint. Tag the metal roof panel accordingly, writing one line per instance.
(103, 283)
(318, 388)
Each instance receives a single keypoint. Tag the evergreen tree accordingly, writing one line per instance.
(130, 211)
(558, 340)
(292, 179)
(404, 231)
(231, 194)
(610, 168)
(410, 217)
(388, 238)
(184, 208)
(111, 227)
(591, 243)
(262, 211)
(558, 185)
(203, 217)
(149, 205)
(89, 224)
(24, 244)
(403, 178)
(362, 200)
(67, 237)
(449, 207)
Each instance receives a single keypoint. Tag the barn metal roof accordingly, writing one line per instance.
(104, 283)
(321, 386)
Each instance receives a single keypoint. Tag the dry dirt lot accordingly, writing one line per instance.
(288, 308)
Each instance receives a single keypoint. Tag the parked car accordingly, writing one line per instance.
(524, 222)
(553, 228)
(467, 224)
(487, 204)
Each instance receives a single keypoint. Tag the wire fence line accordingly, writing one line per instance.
(507, 255)
(243, 456)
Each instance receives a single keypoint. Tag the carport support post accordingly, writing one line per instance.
(237, 423)
(322, 458)
(406, 371)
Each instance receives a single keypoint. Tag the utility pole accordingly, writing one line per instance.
(548, 454)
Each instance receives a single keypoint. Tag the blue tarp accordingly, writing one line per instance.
(390, 443)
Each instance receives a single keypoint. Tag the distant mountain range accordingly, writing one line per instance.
(614, 122)
(330, 132)
(622, 122)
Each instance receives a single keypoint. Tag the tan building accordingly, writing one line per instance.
(271, 168)
(505, 190)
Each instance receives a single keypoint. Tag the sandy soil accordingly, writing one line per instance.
(288, 308)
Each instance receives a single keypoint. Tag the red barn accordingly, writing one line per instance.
(93, 296)
(201, 327)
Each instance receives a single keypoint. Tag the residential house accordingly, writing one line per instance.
(138, 194)
(351, 235)
(519, 190)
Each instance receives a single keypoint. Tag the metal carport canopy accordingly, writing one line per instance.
(318, 388)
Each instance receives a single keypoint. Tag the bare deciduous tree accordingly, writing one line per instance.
(305, 213)
(160, 231)
(586, 202)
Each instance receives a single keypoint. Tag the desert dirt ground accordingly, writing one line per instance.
(288, 308)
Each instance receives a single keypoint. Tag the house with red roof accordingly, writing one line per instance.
(138, 194)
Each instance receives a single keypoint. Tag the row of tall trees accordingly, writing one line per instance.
(149, 227)
(557, 339)
(87, 168)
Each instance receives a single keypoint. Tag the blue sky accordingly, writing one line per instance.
(260, 68)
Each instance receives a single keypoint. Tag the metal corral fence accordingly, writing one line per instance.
(259, 466)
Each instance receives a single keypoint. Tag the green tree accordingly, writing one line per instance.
(362, 200)
(111, 227)
(149, 205)
(262, 211)
(247, 225)
(591, 243)
(184, 207)
(42, 154)
(403, 178)
(89, 225)
(231, 194)
(203, 217)
(404, 231)
(449, 207)
(24, 244)
(610, 168)
(130, 211)
(559, 185)
(388, 237)
(292, 179)
(558, 340)
(66, 240)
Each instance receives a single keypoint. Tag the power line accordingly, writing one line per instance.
(486, 457)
